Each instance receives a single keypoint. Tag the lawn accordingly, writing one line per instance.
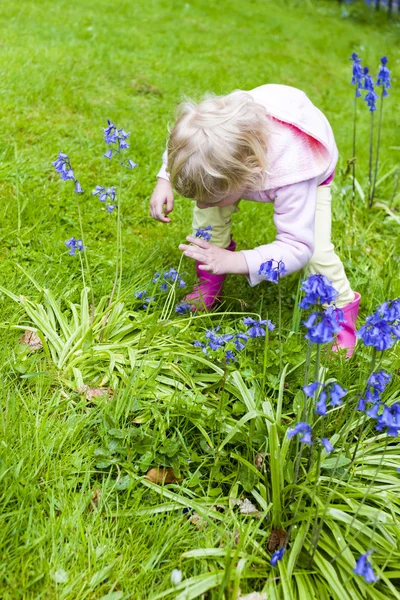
(79, 520)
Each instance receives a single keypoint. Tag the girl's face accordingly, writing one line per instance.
(227, 201)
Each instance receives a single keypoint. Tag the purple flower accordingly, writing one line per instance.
(106, 195)
(357, 73)
(257, 327)
(142, 296)
(164, 287)
(277, 555)
(240, 341)
(108, 154)
(303, 430)
(183, 308)
(310, 389)
(272, 273)
(327, 445)
(198, 344)
(63, 167)
(384, 76)
(215, 341)
(371, 96)
(229, 356)
(322, 327)
(390, 420)
(113, 135)
(364, 568)
(156, 277)
(377, 332)
(130, 164)
(74, 245)
(204, 233)
(389, 310)
(78, 189)
(319, 290)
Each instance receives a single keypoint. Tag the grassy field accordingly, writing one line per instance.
(78, 520)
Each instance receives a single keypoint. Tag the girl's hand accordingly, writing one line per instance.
(213, 259)
(162, 196)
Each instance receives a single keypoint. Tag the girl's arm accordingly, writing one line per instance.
(162, 173)
(294, 218)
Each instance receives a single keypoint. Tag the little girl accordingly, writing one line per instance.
(270, 144)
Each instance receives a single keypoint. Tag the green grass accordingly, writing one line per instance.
(77, 518)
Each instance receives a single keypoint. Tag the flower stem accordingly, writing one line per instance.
(86, 259)
(377, 150)
(354, 146)
(371, 144)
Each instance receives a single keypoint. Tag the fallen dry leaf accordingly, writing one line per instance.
(276, 539)
(246, 507)
(32, 339)
(161, 474)
(95, 392)
(95, 499)
(197, 521)
(260, 460)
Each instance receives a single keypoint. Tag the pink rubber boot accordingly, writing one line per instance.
(346, 338)
(208, 291)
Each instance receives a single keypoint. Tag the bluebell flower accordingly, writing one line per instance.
(374, 411)
(182, 283)
(389, 310)
(277, 555)
(214, 341)
(357, 73)
(63, 167)
(377, 332)
(130, 164)
(108, 154)
(331, 393)
(164, 287)
(384, 76)
(257, 327)
(318, 290)
(240, 341)
(271, 272)
(371, 96)
(74, 245)
(322, 327)
(390, 420)
(229, 356)
(171, 275)
(113, 135)
(376, 385)
(110, 207)
(183, 308)
(303, 430)
(198, 344)
(78, 189)
(364, 568)
(327, 445)
(156, 277)
(204, 233)
(106, 195)
(142, 296)
(310, 389)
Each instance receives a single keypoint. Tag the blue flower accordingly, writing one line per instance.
(240, 341)
(390, 420)
(106, 195)
(183, 308)
(364, 568)
(272, 273)
(319, 290)
(389, 310)
(371, 96)
(214, 341)
(156, 277)
(229, 356)
(277, 555)
(130, 164)
(377, 332)
(384, 76)
(333, 393)
(257, 327)
(357, 73)
(164, 287)
(113, 135)
(204, 233)
(376, 384)
(327, 445)
(78, 189)
(310, 389)
(303, 430)
(74, 245)
(63, 167)
(322, 327)
(198, 344)
(108, 154)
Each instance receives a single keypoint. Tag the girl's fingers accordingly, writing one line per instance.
(198, 242)
(195, 255)
(205, 268)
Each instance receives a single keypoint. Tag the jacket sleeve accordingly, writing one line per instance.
(163, 171)
(294, 218)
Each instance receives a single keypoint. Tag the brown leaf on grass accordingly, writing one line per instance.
(161, 475)
(246, 507)
(259, 461)
(32, 339)
(276, 539)
(94, 502)
(95, 392)
(196, 520)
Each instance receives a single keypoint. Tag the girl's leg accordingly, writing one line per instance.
(220, 219)
(324, 260)
(208, 291)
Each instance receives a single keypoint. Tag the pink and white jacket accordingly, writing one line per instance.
(302, 155)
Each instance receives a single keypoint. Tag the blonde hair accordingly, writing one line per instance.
(218, 146)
